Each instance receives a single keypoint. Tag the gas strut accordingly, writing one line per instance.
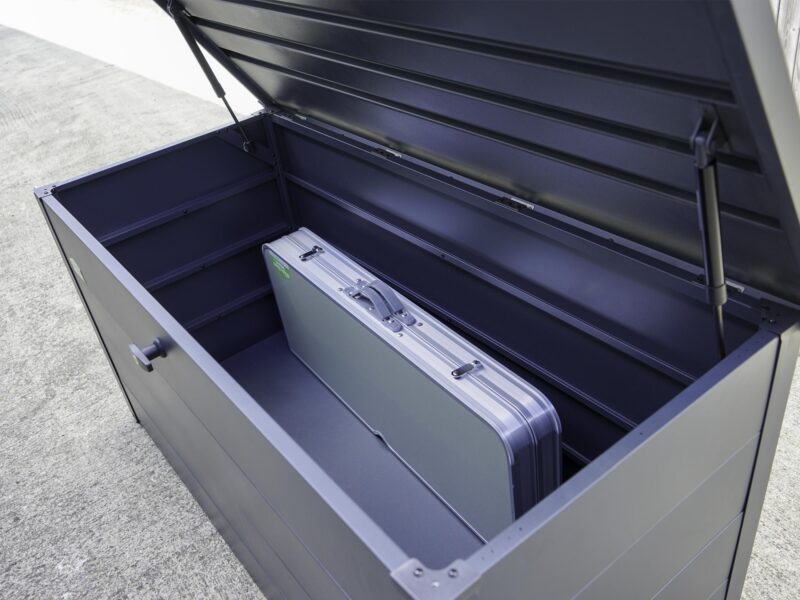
(182, 21)
(704, 145)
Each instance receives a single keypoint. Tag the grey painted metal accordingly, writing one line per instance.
(770, 431)
(357, 460)
(719, 593)
(571, 122)
(492, 200)
(74, 274)
(216, 481)
(271, 581)
(596, 516)
(239, 430)
(653, 560)
(401, 209)
(707, 571)
(488, 443)
(450, 134)
(639, 478)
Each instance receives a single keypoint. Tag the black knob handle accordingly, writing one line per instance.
(144, 357)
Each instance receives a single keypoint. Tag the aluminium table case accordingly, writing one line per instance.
(525, 173)
(485, 440)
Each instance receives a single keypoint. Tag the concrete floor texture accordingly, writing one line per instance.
(89, 508)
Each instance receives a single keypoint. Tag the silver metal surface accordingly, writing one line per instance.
(462, 431)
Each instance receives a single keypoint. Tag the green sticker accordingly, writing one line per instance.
(281, 267)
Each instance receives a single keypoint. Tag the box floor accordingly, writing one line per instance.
(88, 506)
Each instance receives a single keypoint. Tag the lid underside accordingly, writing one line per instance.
(584, 107)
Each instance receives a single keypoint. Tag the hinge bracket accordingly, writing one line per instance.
(181, 18)
(704, 143)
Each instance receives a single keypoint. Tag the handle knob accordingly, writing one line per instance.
(144, 357)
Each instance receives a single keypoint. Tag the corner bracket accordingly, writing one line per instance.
(456, 581)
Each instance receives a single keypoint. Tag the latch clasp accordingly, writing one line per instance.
(316, 250)
(466, 368)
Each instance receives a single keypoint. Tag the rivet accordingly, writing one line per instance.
(453, 573)
(418, 572)
(772, 321)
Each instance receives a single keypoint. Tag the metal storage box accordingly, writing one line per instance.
(545, 162)
(483, 439)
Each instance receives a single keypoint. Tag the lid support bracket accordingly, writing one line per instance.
(704, 145)
(181, 17)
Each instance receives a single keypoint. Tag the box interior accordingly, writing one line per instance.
(608, 333)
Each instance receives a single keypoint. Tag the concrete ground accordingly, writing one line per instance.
(88, 506)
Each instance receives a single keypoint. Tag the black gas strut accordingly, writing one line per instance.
(704, 145)
(181, 18)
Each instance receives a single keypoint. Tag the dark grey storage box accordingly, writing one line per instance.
(525, 172)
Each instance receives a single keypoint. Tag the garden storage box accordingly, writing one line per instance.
(530, 173)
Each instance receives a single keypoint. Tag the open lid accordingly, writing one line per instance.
(587, 108)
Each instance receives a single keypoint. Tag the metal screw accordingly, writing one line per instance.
(772, 321)
(453, 573)
(418, 572)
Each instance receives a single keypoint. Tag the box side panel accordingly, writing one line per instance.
(708, 570)
(719, 593)
(654, 559)
(39, 193)
(691, 459)
(787, 361)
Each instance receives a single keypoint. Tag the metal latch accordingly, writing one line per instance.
(316, 250)
(466, 368)
(387, 152)
(517, 204)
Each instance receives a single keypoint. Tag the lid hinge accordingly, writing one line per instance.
(181, 18)
(704, 143)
